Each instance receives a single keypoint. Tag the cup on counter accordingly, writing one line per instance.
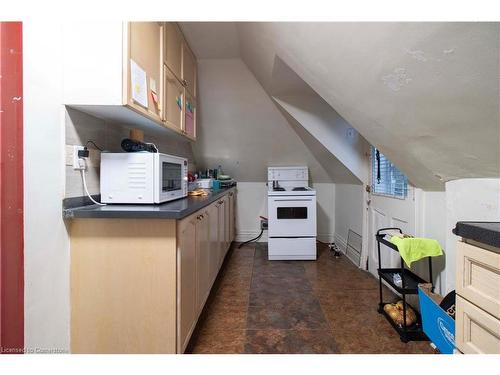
(216, 184)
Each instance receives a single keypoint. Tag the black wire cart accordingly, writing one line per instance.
(409, 285)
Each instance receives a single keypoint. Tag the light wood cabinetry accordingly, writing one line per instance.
(227, 224)
(477, 332)
(232, 215)
(139, 285)
(209, 242)
(478, 299)
(173, 48)
(221, 229)
(174, 100)
(187, 280)
(202, 260)
(189, 69)
(479, 276)
(214, 247)
(97, 75)
(145, 50)
(123, 286)
(189, 120)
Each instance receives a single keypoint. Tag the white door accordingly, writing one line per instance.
(386, 212)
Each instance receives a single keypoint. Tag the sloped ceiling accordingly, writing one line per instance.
(244, 132)
(426, 94)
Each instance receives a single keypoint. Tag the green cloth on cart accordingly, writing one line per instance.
(412, 249)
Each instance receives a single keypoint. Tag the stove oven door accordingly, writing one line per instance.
(292, 216)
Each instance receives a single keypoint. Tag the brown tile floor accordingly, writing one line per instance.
(323, 306)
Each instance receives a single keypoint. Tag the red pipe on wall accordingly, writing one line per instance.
(11, 189)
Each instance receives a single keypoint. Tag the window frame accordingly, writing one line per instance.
(373, 177)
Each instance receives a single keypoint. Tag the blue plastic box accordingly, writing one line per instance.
(437, 324)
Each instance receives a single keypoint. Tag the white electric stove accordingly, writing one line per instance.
(291, 214)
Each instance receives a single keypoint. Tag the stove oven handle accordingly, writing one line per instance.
(293, 200)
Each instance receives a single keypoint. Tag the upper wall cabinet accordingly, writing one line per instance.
(174, 100)
(173, 48)
(133, 73)
(188, 69)
(145, 55)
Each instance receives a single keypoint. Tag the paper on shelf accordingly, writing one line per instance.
(138, 84)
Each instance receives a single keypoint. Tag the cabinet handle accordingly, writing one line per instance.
(184, 82)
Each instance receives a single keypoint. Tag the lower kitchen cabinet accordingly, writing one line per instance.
(139, 285)
(210, 244)
(186, 281)
(202, 260)
(232, 216)
(221, 225)
(214, 247)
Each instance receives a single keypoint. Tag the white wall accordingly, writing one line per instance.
(468, 200)
(348, 211)
(81, 127)
(46, 246)
(431, 223)
(242, 129)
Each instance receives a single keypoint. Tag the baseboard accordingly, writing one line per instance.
(247, 235)
(325, 237)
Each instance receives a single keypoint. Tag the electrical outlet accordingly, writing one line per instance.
(76, 164)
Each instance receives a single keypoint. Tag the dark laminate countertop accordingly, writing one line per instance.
(176, 210)
(484, 232)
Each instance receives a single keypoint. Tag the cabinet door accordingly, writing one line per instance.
(226, 224)
(477, 332)
(173, 48)
(189, 125)
(145, 50)
(174, 100)
(186, 281)
(202, 260)
(221, 226)
(232, 216)
(213, 227)
(189, 69)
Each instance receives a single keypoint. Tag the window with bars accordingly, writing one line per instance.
(386, 178)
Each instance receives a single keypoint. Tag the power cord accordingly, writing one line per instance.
(83, 167)
(92, 142)
(253, 239)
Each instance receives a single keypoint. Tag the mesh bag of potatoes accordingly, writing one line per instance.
(395, 311)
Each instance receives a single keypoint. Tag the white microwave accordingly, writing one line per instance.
(142, 177)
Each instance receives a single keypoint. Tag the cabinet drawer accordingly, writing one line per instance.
(478, 277)
(476, 330)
